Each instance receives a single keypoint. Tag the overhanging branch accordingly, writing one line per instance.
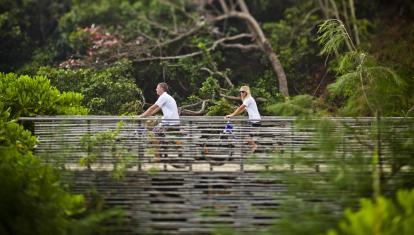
(185, 111)
(235, 98)
(212, 47)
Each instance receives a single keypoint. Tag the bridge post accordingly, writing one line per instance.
(190, 139)
(140, 147)
(242, 126)
(89, 150)
(292, 134)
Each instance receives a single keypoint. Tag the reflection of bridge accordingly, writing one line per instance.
(203, 178)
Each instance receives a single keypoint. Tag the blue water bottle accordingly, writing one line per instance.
(229, 128)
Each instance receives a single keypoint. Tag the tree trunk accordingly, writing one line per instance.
(354, 23)
(257, 31)
(277, 67)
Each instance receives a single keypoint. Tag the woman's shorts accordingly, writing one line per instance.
(253, 130)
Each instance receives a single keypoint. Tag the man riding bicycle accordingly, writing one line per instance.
(170, 119)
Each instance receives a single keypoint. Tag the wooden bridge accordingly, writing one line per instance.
(200, 175)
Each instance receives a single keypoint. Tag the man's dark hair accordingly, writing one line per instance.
(163, 85)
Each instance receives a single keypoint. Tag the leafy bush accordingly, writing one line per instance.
(109, 91)
(30, 96)
(297, 106)
(382, 216)
(363, 85)
(210, 88)
(31, 198)
(221, 108)
(13, 134)
(367, 87)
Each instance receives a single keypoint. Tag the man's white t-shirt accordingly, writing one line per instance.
(169, 109)
(251, 108)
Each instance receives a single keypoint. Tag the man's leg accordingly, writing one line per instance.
(159, 133)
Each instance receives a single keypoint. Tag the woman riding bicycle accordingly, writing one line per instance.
(250, 105)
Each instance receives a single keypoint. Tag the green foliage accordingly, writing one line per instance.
(128, 18)
(210, 88)
(220, 108)
(317, 198)
(80, 41)
(367, 87)
(382, 216)
(30, 96)
(264, 87)
(13, 134)
(293, 40)
(40, 57)
(43, 206)
(85, 13)
(304, 213)
(332, 36)
(108, 91)
(301, 105)
(25, 26)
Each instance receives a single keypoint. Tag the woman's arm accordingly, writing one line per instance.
(239, 110)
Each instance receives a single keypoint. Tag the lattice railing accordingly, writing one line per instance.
(198, 143)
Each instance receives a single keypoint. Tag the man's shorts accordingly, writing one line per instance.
(161, 130)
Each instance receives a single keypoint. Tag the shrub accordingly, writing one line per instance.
(383, 216)
(31, 198)
(30, 96)
(108, 91)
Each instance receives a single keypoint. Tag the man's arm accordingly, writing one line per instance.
(150, 111)
(239, 110)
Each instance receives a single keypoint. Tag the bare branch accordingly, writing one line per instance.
(224, 6)
(184, 35)
(235, 98)
(192, 105)
(353, 21)
(168, 57)
(221, 74)
(243, 6)
(184, 111)
(241, 46)
(409, 111)
(213, 47)
(157, 25)
(180, 9)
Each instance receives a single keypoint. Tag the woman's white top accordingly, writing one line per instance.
(252, 110)
(169, 109)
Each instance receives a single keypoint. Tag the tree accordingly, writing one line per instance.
(366, 87)
(171, 43)
(259, 37)
(111, 90)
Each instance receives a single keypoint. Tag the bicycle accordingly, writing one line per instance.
(219, 149)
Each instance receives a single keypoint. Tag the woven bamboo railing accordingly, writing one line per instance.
(196, 144)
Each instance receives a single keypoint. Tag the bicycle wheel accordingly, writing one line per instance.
(218, 151)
